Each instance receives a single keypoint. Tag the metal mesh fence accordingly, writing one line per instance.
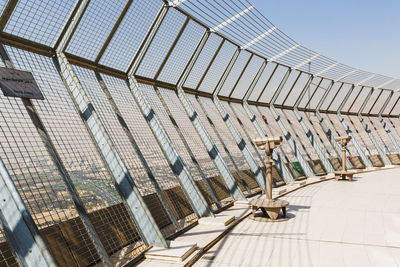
(94, 28)
(126, 41)
(182, 52)
(7, 257)
(40, 21)
(163, 40)
(203, 61)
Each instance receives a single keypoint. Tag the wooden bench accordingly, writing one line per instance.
(270, 209)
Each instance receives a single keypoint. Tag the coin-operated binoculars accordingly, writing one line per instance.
(268, 145)
(268, 206)
(343, 141)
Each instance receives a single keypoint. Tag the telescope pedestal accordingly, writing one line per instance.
(270, 209)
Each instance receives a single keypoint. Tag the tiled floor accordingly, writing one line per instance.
(332, 224)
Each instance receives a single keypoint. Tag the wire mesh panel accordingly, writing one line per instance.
(244, 133)
(274, 129)
(32, 168)
(130, 34)
(218, 67)
(337, 101)
(291, 82)
(165, 37)
(7, 257)
(193, 139)
(235, 72)
(223, 130)
(151, 150)
(300, 134)
(3, 5)
(374, 99)
(202, 62)
(80, 157)
(230, 143)
(248, 77)
(353, 97)
(293, 133)
(94, 27)
(391, 104)
(362, 136)
(331, 95)
(39, 20)
(394, 127)
(338, 130)
(273, 84)
(182, 52)
(380, 134)
(310, 91)
(191, 163)
(128, 152)
(318, 131)
(319, 93)
(262, 81)
(211, 132)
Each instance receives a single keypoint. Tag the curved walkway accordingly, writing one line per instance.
(332, 224)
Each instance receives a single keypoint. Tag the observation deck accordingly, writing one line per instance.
(126, 137)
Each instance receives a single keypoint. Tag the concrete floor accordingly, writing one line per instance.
(331, 224)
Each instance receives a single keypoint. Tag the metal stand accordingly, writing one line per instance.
(343, 141)
(269, 207)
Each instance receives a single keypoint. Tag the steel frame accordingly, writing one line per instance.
(306, 168)
(368, 130)
(256, 170)
(212, 149)
(286, 175)
(128, 190)
(366, 161)
(308, 132)
(192, 192)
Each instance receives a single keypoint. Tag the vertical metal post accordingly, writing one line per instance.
(286, 175)
(368, 131)
(307, 170)
(124, 183)
(136, 148)
(55, 157)
(385, 127)
(327, 131)
(19, 228)
(256, 170)
(192, 192)
(310, 135)
(349, 132)
(212, 149)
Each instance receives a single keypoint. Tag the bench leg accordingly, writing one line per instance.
(264, 212)
(253, 210)
(284, 212)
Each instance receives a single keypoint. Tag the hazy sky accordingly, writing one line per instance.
(362, 34)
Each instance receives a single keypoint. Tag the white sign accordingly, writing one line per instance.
(18, 83)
